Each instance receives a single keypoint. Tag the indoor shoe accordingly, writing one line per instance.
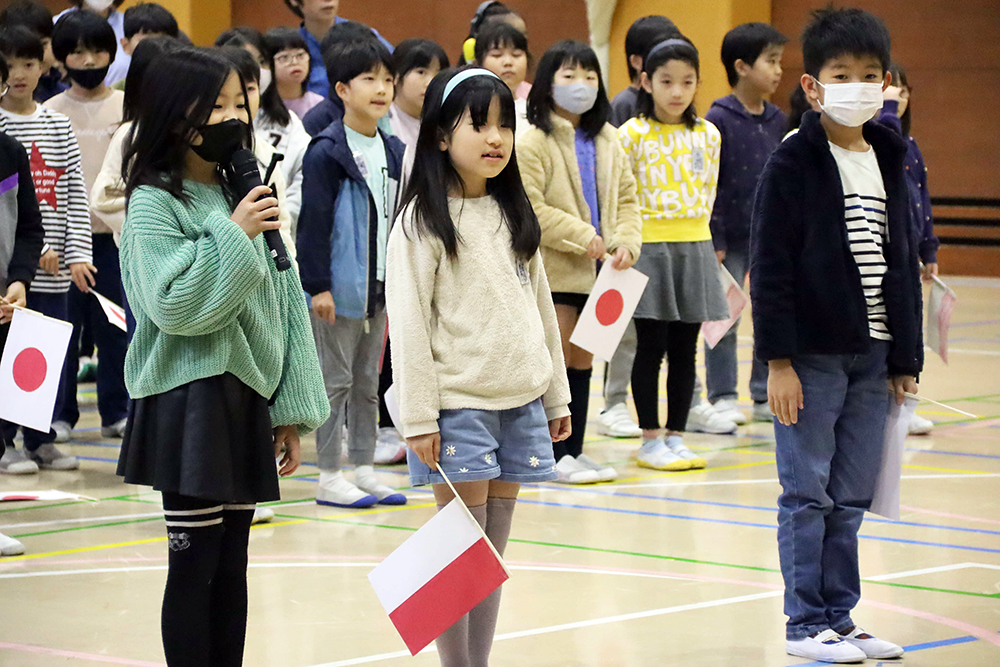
(677, 446)
(16, 462)
(605, 473)
(63, 431)
(262, 515)
(727, 409)
(874, 648)
(762, 412)
(704, 419)
(389, 448)
(48, 457)
(919, 426)
(825, 646)
(571, 471)
(10, 547)
(364, 479)
(336, 491)
(116, 430)
(656, 455)
(616, 422)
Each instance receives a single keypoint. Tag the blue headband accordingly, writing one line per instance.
(462, 76)
(664, 45)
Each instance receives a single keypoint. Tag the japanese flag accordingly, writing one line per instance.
(31, 367)
(114, 312)
(736, 299)
(608, 310)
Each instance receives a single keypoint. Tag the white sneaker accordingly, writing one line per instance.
(364, 479)
(571, 471)
(15, 462)
(826, 646)
(606, 473)
(656, 455)
(10, 547)
(336, 491)
(704, 419)
(616, 422)
(726, 408)
(63, 431)
(874, 648)
(48, 457)
(116, 430)
(389, 448)
(762, 412)
(919, 425)
(677, 446)
(262, 515)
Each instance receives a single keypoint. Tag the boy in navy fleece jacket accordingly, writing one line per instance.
(836, 311)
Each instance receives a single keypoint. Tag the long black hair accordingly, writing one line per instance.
(567, 53)
(678, 48)
(146, 53)
(899, 79)
(172, 105)
(434, 175)
(270, 101)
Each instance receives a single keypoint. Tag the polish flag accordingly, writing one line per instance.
(31, 367)
(114, 312)
(736, 299)
(437, 576)
(939, 308)
(608, 310)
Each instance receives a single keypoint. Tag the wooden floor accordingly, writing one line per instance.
(655, 569)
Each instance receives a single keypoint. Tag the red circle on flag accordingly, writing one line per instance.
(30, 369)
(609, 307)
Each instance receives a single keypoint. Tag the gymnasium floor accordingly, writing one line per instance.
(655, 569)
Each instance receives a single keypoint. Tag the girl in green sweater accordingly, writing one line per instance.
(222, 367)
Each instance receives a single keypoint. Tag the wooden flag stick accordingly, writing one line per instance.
(466, 508)
(579, 247)
(942, 405)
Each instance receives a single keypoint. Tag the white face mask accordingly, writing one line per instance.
(265, 79)
(99, 6)
(577, 98)
(851, 104)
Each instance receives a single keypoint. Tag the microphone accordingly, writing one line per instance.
(247, 177)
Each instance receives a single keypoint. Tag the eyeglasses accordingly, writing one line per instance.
(293, 58)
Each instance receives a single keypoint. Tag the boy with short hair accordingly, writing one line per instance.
(350, 176)
(146, 19)
(836, 312)
(61, 194)
(109, 10)
(332, 108)
(642, 35)
(751, 129)
(86, 45)
(36, 17)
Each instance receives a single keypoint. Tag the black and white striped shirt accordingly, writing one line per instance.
(54, 158)
(867, 232)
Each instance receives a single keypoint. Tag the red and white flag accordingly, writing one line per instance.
(114, 312)
(736, 299)
(608, 310)
(940, 305)
(31, 368)
(437, 576)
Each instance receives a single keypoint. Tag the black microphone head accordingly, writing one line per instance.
(243, 160)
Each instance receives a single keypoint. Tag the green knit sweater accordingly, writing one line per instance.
(207, 300)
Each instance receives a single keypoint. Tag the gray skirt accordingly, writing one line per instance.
(683, 283)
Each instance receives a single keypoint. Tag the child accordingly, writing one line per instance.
(37, 18)
(895, 114)
(489, 12)
(675, 157)
(478, 363)
(352, 172)
(48, 138)
(21, 240)
(222, 351)
(318, 16)
(85, 44)
(581, 187)
(503, 49)
(642, 35)
(291, 69)
(836, 312)
(751, 128)
(108, 10)
(147, 19)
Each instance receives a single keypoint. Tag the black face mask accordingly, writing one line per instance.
(88, 78)
(221, 140)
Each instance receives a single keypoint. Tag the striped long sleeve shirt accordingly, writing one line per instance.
(54, 158)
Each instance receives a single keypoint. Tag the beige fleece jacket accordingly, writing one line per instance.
(552, 180)
(478, 331)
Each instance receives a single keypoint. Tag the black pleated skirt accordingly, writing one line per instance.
(210, 439)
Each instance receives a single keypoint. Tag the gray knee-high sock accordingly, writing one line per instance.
(483, 618)
(453, 644)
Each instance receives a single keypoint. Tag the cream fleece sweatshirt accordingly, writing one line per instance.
(478, 331)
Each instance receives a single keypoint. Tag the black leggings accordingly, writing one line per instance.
(204, 616)
(384, 382)
(678, 340)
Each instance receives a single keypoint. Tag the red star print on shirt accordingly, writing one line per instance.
(45, 178)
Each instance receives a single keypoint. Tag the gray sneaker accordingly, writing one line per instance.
(63, 431)
(762, 412)
(49, 457)
(116, 430)
(15, 462)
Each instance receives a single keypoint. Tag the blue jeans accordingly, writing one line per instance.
(721, 364)
(53, 305)
(111, 342)
(827, 465)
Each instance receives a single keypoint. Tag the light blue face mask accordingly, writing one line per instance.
(577, 98)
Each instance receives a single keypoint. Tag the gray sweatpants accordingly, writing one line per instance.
(618, 374)
(349, 357)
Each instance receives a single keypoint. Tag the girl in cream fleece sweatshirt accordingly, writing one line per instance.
(476, 351)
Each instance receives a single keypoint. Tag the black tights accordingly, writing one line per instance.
(384, 382)
(678, 340)
(204, 617)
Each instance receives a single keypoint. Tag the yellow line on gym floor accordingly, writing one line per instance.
(931, 468)
(639, 478)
